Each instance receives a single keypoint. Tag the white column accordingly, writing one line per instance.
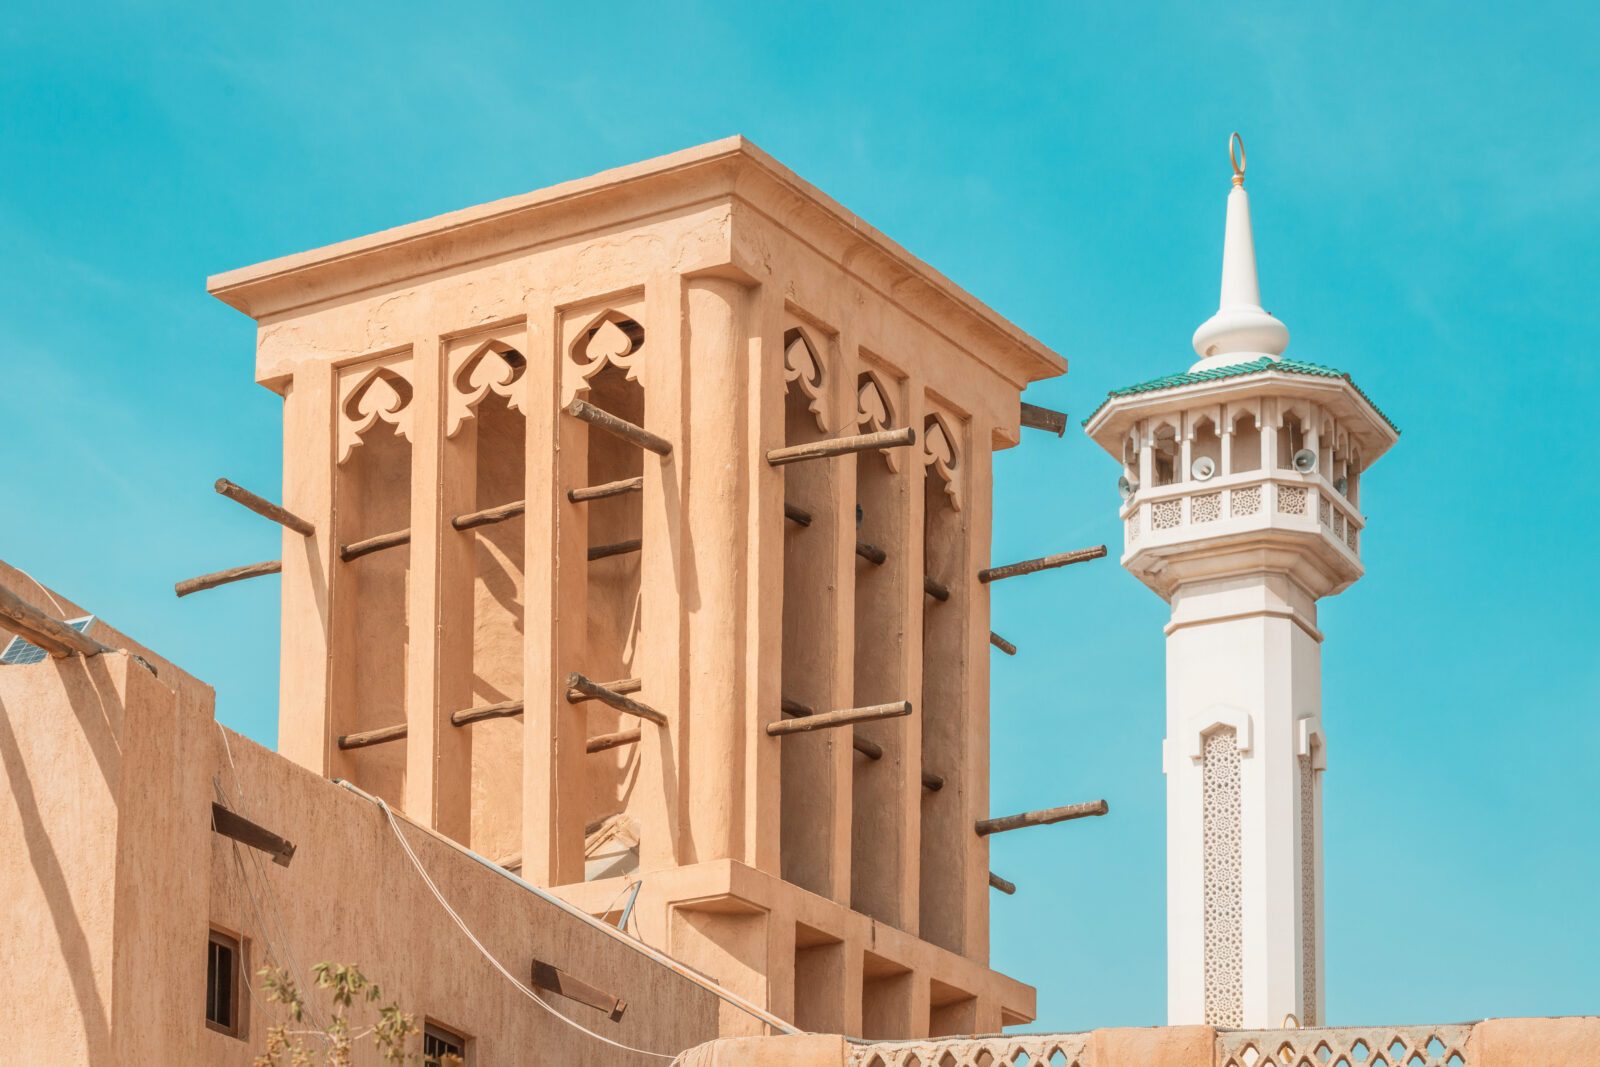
(1243, 668)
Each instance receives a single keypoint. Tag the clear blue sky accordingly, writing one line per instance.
(1424, 181)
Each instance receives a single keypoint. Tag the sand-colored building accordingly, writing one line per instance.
(634, 680)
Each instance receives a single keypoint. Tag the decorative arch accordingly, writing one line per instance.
(491, 367)
(803, 366)
(941, 455)
(1202, 724)
(610, 338)
(875, 412)
(374, 394)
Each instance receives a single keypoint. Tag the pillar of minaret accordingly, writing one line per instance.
(1247, 529)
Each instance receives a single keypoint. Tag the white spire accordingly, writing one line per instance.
(1240, 330)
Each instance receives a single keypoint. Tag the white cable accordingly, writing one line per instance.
(524, 990)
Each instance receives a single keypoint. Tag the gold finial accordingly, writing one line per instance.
(1236, 155)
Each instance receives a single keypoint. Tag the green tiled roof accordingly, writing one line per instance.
(1238, 370)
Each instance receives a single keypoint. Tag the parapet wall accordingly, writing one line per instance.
(112, 880)
(1566, 1042)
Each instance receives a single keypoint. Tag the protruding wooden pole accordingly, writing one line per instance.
(1008, 888)
(602, 742)
(846, 717)
(842, 446)
(379, 736)
(871, 553)
(356, 549)
(232, 574)
(1043, 563)
(230, 823)
(605, 489)
(612, 698)
(935, 588)
(799, 516)
(621, 685)
(499, 513)
(870, 749)
(1037, 418)
(1042, 817)
(52, 635)
(621, 548)
(604, 420)
(265, 508)
(503, 710)
(1002, 644)
(932, 782)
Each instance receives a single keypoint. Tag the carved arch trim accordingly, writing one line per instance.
(492, 366)
(804, 365)
(1216, 717)
(875, 412)
(371, 392)
(612, 337)
(941, 455)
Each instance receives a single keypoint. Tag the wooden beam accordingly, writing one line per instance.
(1008, 888)
(372, 737)
(52, 635)
(357, 549)
(1043, 563)
(932, 782)
(845, 717)
(935, 588)
(605, 489)
(230, 823)
(621, 685)
(265, 508)
(504, 710)
(602, 742)
(621, 548)
(799, 516)
(604, 420)
(1035, 417)
(552, 978)
(1042, 817)
(232, 574)
(499, 513)
(612, 698)
(842, 446)
(870, 749)
(1002, 644)
(871, 553)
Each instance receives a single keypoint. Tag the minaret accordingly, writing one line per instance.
(1241, 492)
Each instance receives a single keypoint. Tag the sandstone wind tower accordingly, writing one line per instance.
(1241, 485)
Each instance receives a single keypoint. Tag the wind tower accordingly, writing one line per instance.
(637, 537)
(1241, 484)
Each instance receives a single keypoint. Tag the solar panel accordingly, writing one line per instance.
(20, 653)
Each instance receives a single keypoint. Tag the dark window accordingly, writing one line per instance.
(437, 1043)
(222, 984)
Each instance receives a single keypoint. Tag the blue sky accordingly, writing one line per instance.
(1424, 186)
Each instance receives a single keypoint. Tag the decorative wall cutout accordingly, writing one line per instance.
(370, 393)
(804, 367)
(875, 412)
(610, 338)
(475, 372)
(1224, 885)
(1308, 890)
(940, 455)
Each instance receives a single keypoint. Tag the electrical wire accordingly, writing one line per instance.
(462, 926)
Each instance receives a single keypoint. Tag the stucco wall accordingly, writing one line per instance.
(112, 877)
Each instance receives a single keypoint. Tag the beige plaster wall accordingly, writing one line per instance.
(108, 779)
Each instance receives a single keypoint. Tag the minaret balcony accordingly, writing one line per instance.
(1164, 523)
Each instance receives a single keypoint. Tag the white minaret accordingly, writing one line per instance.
(1241, 509)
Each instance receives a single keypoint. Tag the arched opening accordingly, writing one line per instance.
(1207, 444)
(1246, 449)
(1164, 455)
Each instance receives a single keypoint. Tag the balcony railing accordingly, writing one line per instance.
(1168, 514)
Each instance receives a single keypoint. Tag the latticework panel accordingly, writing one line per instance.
(1358, 1046)
(997, 1050)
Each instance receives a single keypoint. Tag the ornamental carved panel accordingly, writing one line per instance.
(478, 367)
(370, 392)
(592, 339)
